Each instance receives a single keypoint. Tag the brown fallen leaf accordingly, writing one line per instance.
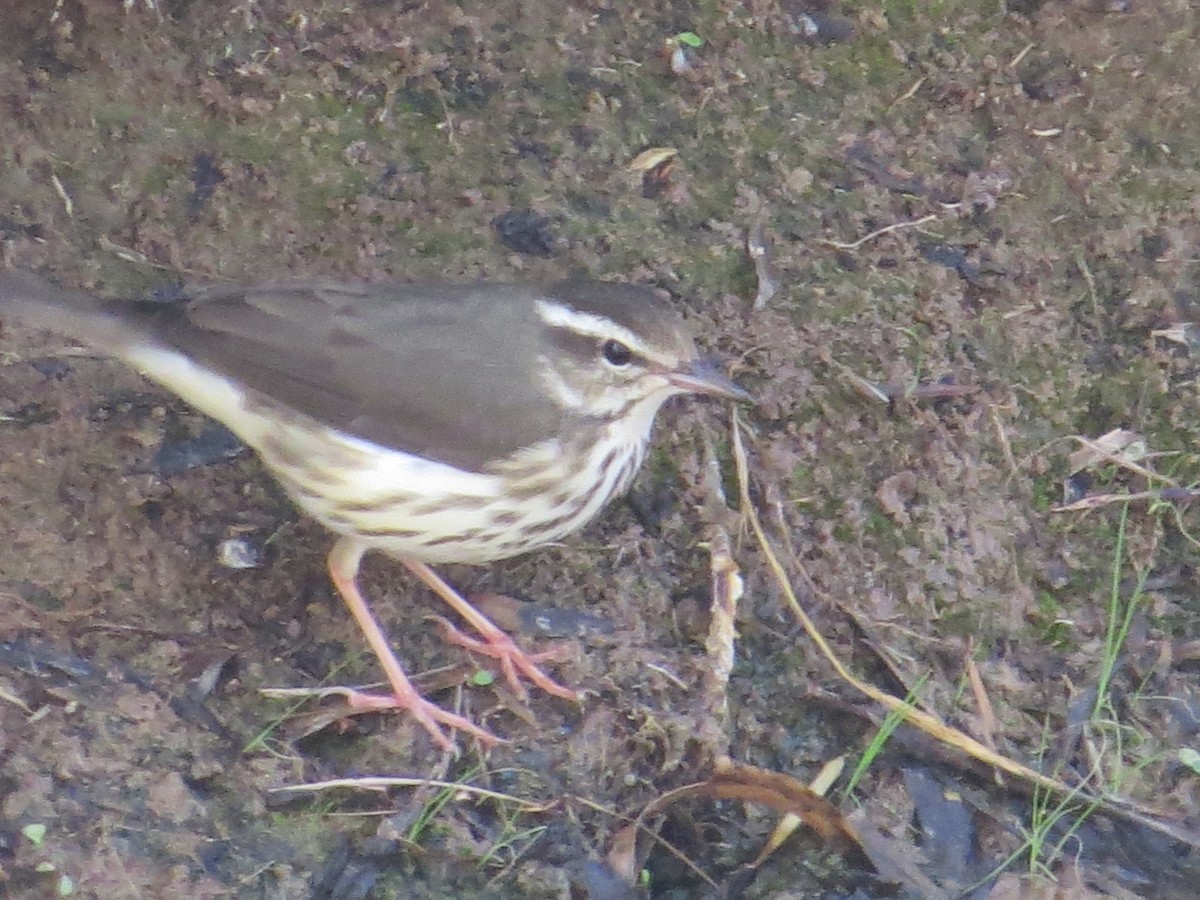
(737, 781)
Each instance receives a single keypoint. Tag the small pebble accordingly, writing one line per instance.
(239, 553)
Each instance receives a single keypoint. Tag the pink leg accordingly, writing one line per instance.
(344, 559)
(495, 643)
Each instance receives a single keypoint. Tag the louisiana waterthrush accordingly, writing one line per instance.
(439, 424)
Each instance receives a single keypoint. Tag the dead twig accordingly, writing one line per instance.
(887, 229)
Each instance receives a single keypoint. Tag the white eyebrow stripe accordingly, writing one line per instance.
(556, 315)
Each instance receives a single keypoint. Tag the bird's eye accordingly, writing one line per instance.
(616, 353)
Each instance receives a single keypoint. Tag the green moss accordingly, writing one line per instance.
(802, 480)
(843, 532)
(1047, 492)
(881, 526)
(1052, 624)
(720, 271)
(158, 178)
(870, 65)
(111, 113)
(963, 619)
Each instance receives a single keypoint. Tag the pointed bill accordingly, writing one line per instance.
(703, 377)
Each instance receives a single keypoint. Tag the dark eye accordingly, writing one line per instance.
(616, 353)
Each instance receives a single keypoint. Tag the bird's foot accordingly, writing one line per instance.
(513, 660)
(427, 713)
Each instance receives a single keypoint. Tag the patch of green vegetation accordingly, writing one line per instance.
(660, 464)
(712, 198)
(1053, 823)
(719, 270)
(445, 242)
(884, 529)
(1153, 189)
(879, 740)
(112, 113)
(1046, 491)
(1122, 607)
(801, 481)
(1052, 624)
(47, 868)
(842, 531)
(421, 103)
(328, 195)
(1120, 397)
(249, 146)
(158, 178)
(304, 827)
(865, 69)
(972, 619)
(1120, 749)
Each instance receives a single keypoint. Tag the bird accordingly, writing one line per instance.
(435, 423)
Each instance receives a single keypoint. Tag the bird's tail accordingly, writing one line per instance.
(36, 302)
